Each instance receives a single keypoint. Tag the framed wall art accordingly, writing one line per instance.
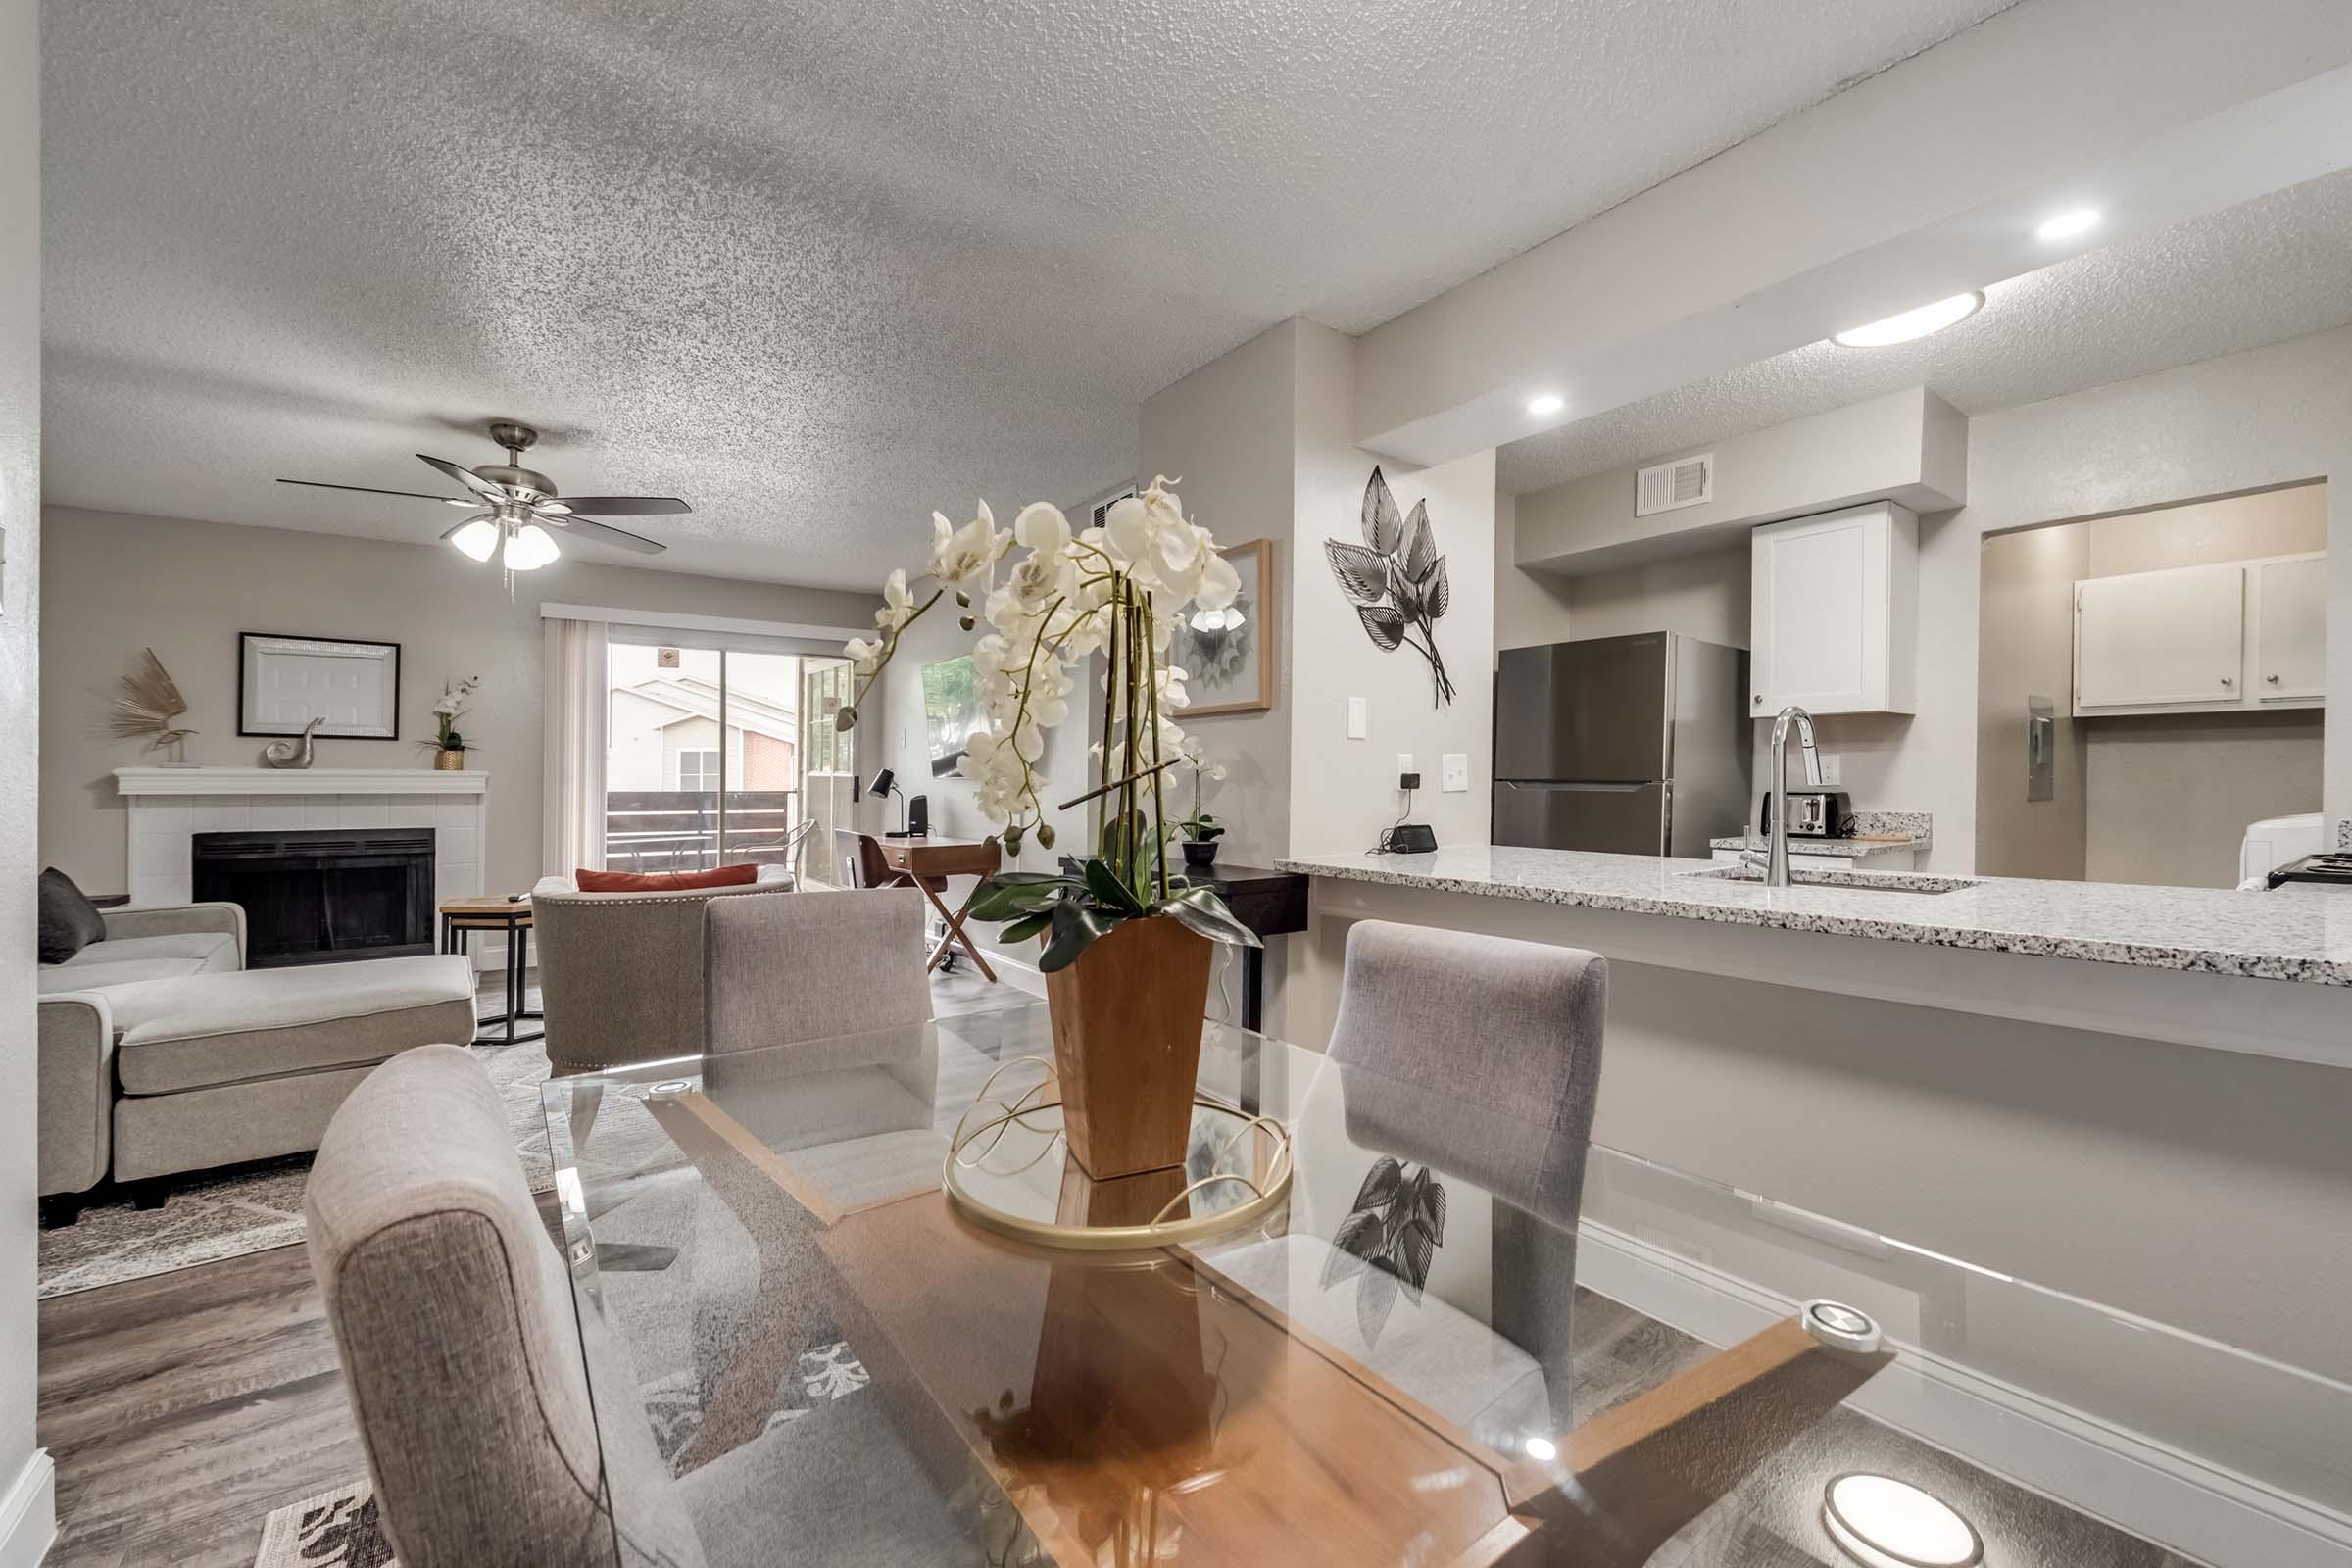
(284, 682)
(1232, 656)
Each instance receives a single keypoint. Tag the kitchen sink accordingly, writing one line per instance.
(1855, 881)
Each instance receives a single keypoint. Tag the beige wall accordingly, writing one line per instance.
(1226, 431)
(120, 583)
(1703, 596)
(2026, 647)
(2156, 799)
(20, 713)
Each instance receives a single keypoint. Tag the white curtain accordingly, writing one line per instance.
(573, 814)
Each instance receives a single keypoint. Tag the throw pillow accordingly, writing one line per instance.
(725, 876)
(69, 922)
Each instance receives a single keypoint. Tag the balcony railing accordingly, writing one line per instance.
(677, 830)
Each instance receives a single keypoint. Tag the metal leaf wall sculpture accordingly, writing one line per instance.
(1397, 580)
(1388, 1241)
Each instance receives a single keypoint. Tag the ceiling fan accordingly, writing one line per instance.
(519, 505)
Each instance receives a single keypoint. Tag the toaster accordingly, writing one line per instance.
(1813, 813)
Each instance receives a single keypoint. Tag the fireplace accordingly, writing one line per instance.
(323, 896)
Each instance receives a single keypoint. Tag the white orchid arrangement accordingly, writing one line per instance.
(1201, 827)
(456, 697)
(1116, 591)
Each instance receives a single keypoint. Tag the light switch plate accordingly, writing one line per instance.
(1457, 768)
(1356, 718)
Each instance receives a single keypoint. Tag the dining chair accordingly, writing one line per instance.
(487, 1443)
(812, 967)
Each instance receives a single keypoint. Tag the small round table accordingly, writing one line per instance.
(460, 919)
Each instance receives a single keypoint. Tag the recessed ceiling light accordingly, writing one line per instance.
(1886, 1523)
(1909, 324)
(1544, 404)
(2067, 224)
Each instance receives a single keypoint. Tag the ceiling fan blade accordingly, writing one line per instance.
(468, 478)
(597, 532)
(626, 505)
(366, 490)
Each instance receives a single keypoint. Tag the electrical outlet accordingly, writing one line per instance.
(1455, 769)
(1831, 770)
(1404, 761)
(1356, 718)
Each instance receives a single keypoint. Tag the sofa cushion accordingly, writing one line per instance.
(55, 978)
(69, 922)
(209, 950)
(264, 1023)
(725, 876)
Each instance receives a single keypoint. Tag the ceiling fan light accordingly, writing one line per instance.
(530, 548)
(477, 538)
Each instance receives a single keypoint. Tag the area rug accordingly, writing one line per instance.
(340, 1529)
(252, 1208)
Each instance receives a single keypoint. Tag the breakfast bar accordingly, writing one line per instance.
(1994, 1068)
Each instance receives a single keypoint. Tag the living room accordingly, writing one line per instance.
(815, 784)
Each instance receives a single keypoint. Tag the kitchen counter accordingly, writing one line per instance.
(2301, 933)
(1875, 833)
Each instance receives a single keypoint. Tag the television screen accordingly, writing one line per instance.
(951, 711)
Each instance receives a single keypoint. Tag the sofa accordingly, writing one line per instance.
(162, 1053)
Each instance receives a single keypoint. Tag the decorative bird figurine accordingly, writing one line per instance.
(149, 702)
(295, 753)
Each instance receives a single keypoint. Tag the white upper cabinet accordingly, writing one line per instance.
(2239, 634)
(2290, 630)
(1833, 607)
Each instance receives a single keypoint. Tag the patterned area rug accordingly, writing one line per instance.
(340, 1529)
(252, 1208)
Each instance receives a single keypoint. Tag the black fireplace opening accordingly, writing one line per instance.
(325, 895)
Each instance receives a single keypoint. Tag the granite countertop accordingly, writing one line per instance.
(2301, 933)
(1875, 833)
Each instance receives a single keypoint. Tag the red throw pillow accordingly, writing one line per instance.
(725, 876)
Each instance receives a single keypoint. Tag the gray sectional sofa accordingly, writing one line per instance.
(162, 1053)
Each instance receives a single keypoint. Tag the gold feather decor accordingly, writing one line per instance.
(149, 702)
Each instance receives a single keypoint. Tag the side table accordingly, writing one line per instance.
(460, 919)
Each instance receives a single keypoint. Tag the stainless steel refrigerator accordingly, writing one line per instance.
(1632, 745)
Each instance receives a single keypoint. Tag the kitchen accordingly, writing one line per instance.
(1974, 1018)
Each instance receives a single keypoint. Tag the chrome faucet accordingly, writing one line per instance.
(1774, 860)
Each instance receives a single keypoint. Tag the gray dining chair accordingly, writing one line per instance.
(1476, 1055)
(811, 966)
(468, 1372)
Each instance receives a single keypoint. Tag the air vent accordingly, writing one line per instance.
(1104, 503)
(1684, 483)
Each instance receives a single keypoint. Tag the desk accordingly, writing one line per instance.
(1271, 904)
(926, 863)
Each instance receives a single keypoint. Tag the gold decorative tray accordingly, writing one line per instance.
(1009, 1171)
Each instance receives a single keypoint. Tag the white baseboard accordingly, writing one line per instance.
(2091, 1465)
(1015, 972)
(28, 1513)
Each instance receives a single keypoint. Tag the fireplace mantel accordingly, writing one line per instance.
(299, 781)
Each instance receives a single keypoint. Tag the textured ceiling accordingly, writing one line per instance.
(817, 267)
(2273, 269)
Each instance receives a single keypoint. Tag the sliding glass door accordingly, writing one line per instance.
(708, 753)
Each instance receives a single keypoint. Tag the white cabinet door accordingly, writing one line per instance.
(2290, 630)
(2160, 639)
(1831, 605)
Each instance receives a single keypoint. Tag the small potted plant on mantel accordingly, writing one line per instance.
(1126, 939)
(449, 746)
(1201, 830)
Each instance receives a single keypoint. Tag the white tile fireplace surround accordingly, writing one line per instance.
(170, 805)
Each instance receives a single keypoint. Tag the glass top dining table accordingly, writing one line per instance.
(1507, 1350)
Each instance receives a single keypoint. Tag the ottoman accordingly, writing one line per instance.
(215, 1069)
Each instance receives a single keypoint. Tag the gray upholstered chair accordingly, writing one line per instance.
(1475, 1054)
(620, 974)
(811, 966)
(453, 1317)
(1475, 1058)
(454, 1321)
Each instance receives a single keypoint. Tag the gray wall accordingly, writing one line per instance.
(20, 721)
(2026, 647)
(118, 583)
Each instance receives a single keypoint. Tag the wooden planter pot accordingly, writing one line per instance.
(1127, 1019)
